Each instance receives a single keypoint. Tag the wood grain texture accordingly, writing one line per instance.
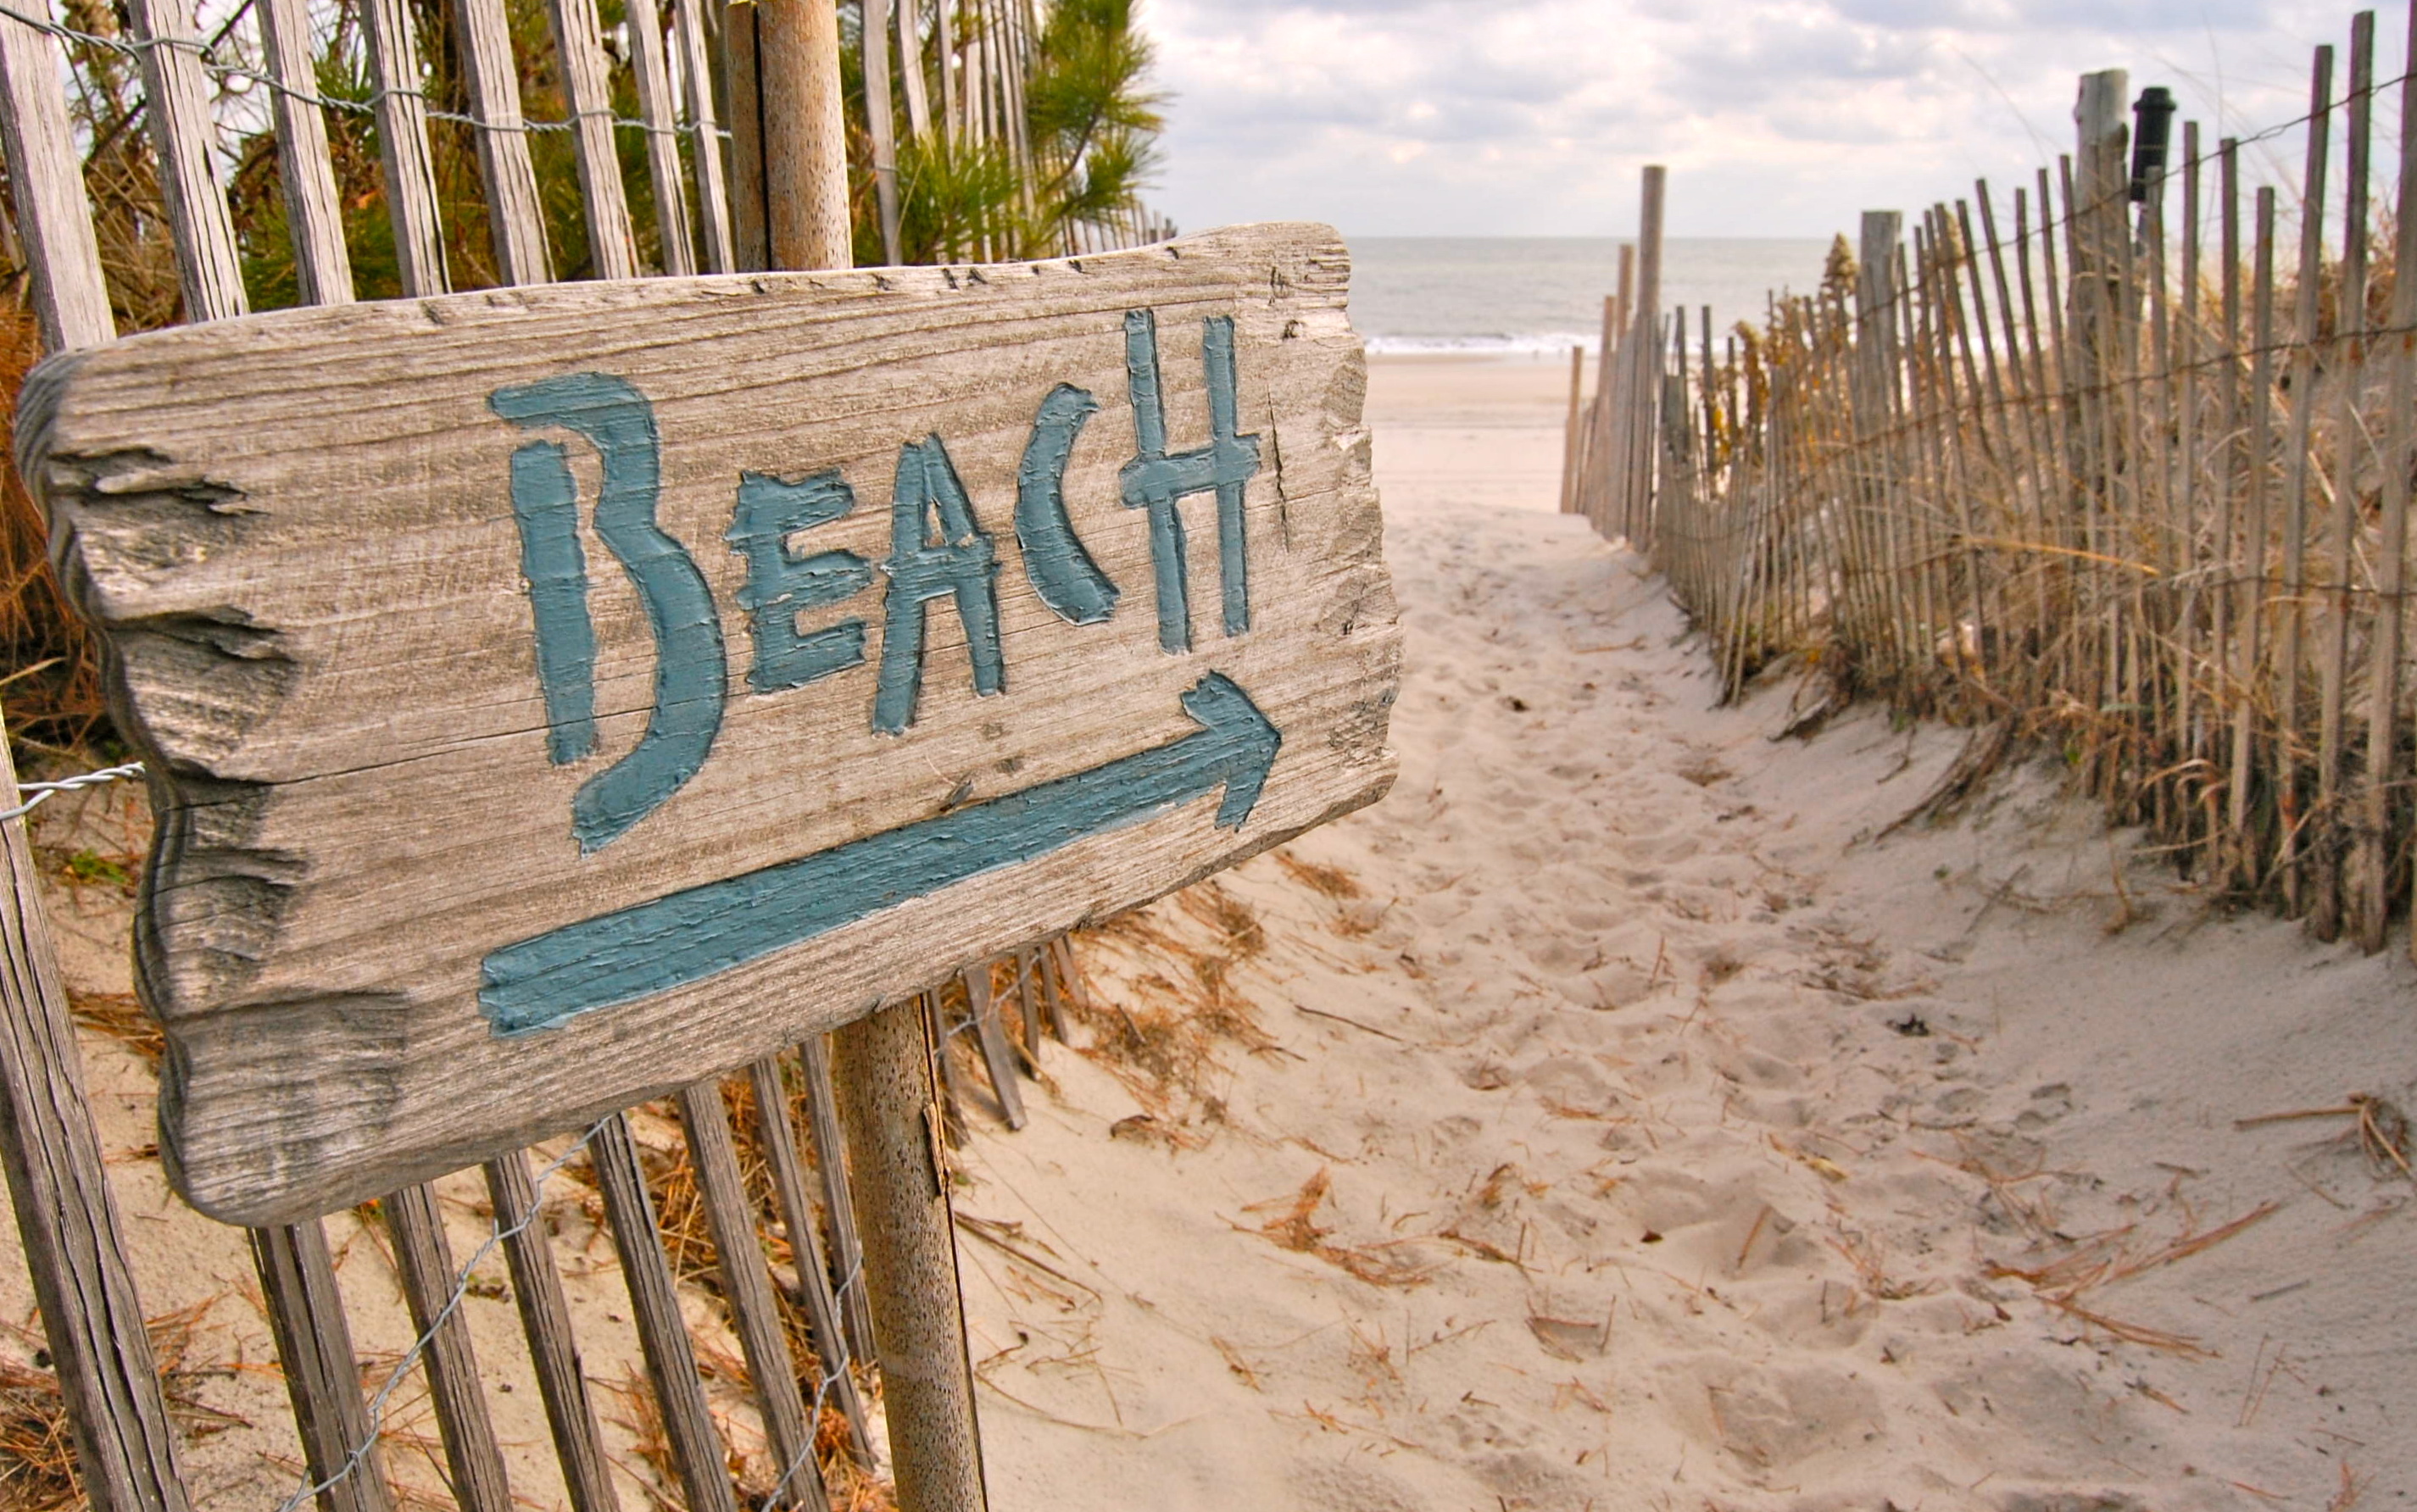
(579, 58)
(298, 534)
(553, 1348)
(697, 1449)
(314, 1344)
(747, 1290)
(653, 70)
(884, 1065)
(322, 267)
(46, 190)
(58, 1188)
(402, 146)
(182, 133)
(779, 1141)
(423, 1261)
(515, 221)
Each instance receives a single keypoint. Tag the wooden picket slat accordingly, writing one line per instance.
(697, 1451)
(425, 1264)
(46, 190)
(58, 1185)
(178, 114)
(402, 148)
(579, 58)
(314, 216)
(314, 1344)
(806, 1250)
(553, 1348)
(705, 142)
(655, 108)
(830, 1163)
(982, 1007)
(514, 220)
(747, 1286)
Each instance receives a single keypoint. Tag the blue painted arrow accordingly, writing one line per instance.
(690, 935)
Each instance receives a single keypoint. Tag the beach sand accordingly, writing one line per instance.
(1638, 1128)
(1614, 1117)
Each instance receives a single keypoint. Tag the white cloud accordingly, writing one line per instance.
(1776, 117)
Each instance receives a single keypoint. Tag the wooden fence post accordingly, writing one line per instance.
(910, 1259)
(884, 1063)
(124, 1445)
(1645, 351)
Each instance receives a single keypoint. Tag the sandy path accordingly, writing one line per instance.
(1647, 1136)
(1640, 1133)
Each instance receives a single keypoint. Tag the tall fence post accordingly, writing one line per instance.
(125, 1443)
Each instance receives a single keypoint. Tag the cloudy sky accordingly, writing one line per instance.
(1776, 117)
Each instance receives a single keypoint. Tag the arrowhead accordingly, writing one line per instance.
(1246, 743)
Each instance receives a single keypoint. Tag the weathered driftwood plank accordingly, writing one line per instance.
(46, 189)
(59, 1190)
(453, 857)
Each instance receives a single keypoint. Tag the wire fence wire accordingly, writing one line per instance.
(43, 792)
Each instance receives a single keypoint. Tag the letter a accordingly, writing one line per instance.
(960, 563)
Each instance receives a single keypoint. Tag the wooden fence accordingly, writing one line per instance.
(2103, 463)
(719, 205)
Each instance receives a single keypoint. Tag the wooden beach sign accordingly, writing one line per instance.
(557, 695)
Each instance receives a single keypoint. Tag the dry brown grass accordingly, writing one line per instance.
(49, 663)
(37, 1463)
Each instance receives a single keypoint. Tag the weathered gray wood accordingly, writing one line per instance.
(646, 60)
(705, 141)
(424, 1263)
(402, 148)
(323, 268)
(654, 1306)
(992, 1036)
(46, 189)
(314, 1344)
(1028, 1000)
(579, 58)
(780, 1139)
(2371, 862)
(515, 218)
(885, 1073)
(882, 123)
(178, 114)
(553, 1348)
(839, 1207)
(60, 1188)
(910, 69)
(743, 95)
(805, 134)
(356, 821)
(747, 1286)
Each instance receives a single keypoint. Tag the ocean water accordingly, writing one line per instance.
(1512, 295)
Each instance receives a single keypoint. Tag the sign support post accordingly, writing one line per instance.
(899, 1176)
